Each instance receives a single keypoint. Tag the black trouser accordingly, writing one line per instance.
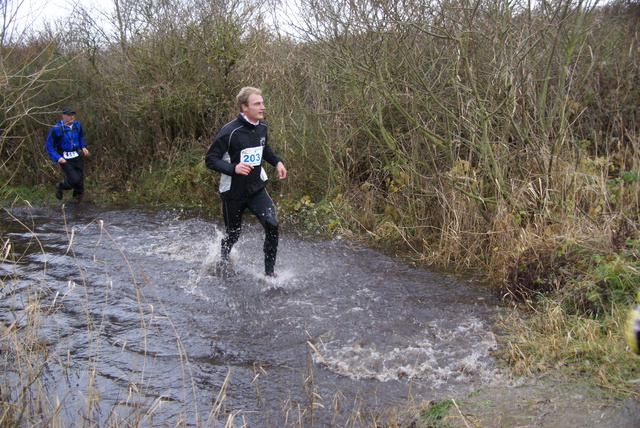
(261, 205)
(74, 172)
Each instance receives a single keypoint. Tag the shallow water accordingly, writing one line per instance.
(139, 323)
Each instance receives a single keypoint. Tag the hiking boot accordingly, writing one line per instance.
(271, 275)
(58, 192)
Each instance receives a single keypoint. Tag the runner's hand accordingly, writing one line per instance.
(243, 168)
(281, 171)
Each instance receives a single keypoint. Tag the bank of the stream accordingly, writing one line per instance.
(553, 400)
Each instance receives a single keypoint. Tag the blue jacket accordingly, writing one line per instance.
(240, 141)
(64, 138)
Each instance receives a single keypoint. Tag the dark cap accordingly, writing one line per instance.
(68, 110)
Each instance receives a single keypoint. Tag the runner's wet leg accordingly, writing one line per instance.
(270, 248)
(263, 208)
(232, 213)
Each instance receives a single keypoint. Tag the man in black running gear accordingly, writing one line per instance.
(237, 152)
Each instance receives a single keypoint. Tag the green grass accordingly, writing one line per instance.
(20, 194)
(433, 416)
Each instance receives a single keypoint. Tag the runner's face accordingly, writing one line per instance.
(254, 109)
(68, 118)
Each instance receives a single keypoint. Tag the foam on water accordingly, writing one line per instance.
(437, 358)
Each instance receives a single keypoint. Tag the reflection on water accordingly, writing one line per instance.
(137, 321)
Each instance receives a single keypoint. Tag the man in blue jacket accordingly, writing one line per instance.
(237, 152)
(65, 142)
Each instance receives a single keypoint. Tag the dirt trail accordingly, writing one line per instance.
(543, 403)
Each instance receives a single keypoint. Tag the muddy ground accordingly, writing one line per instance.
(543, 403)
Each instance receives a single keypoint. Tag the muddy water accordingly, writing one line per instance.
(139, 323)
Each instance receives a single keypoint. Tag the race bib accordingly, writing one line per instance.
(70, 155)
(252, 156)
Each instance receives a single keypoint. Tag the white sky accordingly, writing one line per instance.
(35, 13)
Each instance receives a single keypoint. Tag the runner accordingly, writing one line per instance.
(237, 152)
(64, 144)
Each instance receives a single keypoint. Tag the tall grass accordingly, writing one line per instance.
(573, 304)
(551, 340)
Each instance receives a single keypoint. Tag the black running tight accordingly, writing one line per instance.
(261, 205)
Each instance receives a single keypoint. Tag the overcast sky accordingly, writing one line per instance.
(34, 13)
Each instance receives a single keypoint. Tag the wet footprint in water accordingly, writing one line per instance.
(271, 286)
(221, 269)
(275, 291)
